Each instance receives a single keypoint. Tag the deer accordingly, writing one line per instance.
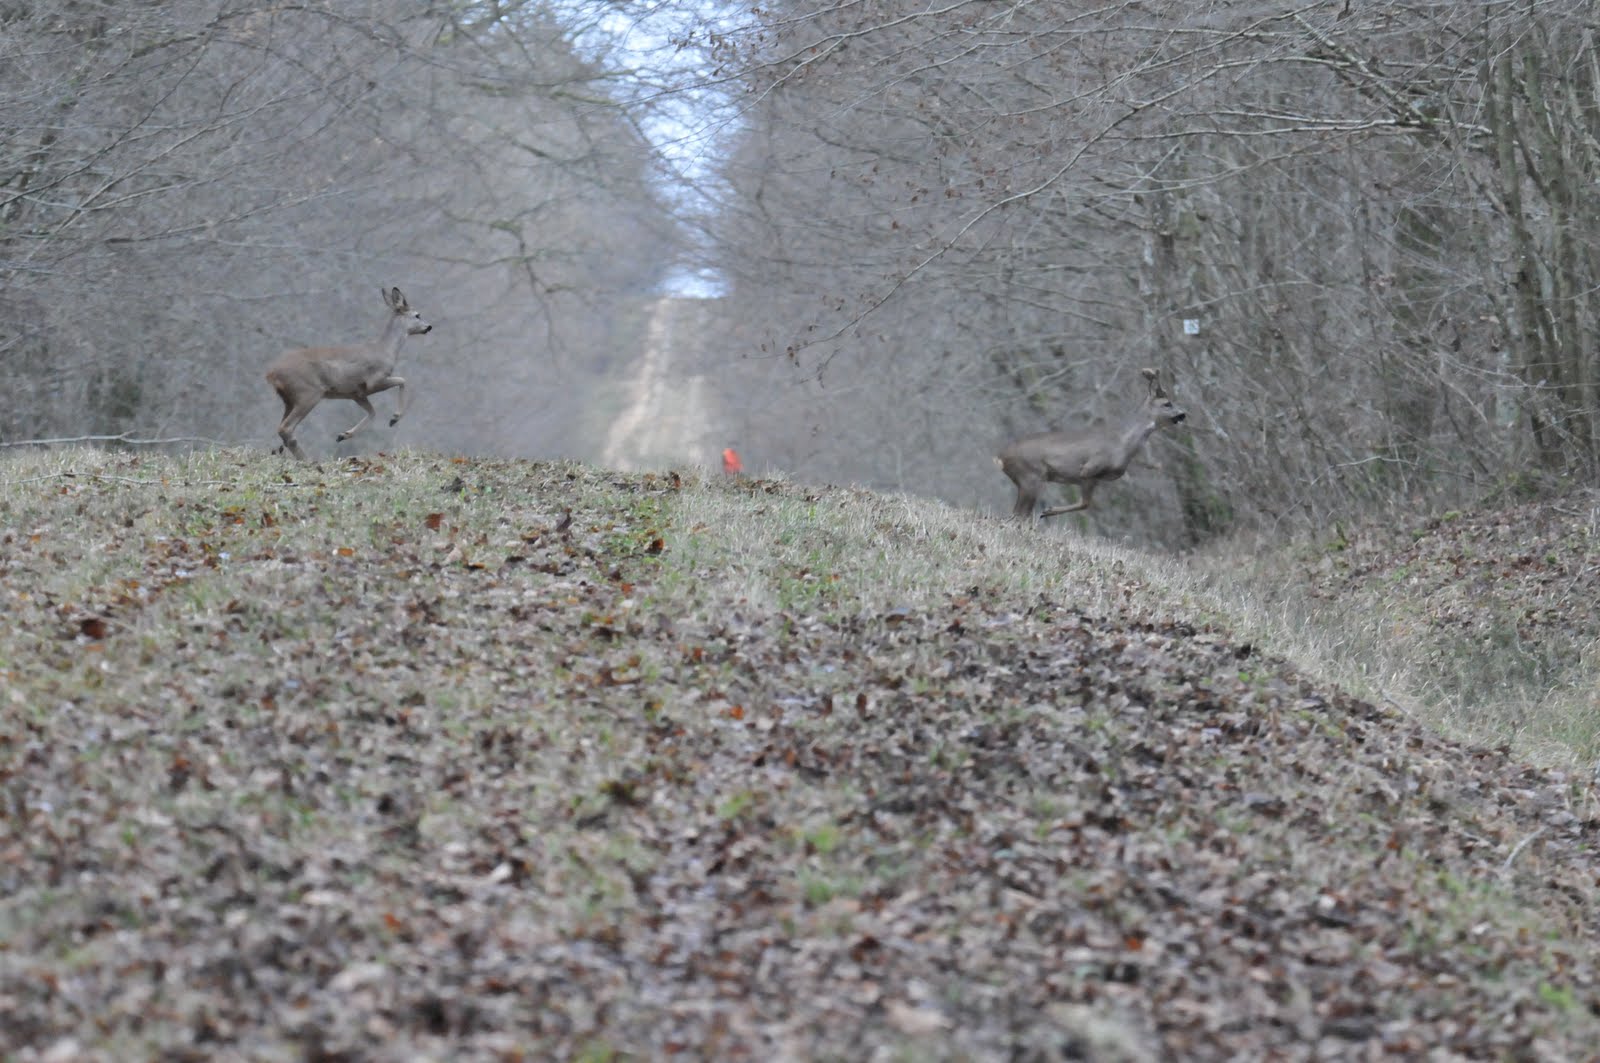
(1085, 458)
(306, 376)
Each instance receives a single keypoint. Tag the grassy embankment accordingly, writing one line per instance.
(385, 757)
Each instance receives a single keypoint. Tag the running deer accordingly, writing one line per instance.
(1084, 458)
(306, 376)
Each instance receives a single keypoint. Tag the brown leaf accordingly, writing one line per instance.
(178, 772)
(915, 1021)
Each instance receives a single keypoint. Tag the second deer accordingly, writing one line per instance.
(1084, 458)
(306, 376)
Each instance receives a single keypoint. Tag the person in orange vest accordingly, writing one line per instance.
(731, 465)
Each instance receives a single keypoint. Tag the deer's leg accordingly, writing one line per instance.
(287, 406)
(292, 416)
(1085, 492)
(400, 400)
(359, 425)
(1027, 498)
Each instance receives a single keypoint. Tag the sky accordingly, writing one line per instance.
(682, 114)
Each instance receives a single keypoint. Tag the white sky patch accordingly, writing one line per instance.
(677, 103)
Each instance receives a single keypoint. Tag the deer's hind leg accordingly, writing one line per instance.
(1085, 493)
(1027, 499)
(292, 416)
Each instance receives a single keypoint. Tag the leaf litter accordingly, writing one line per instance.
(406, 757)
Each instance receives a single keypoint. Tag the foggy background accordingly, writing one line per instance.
(860, 242)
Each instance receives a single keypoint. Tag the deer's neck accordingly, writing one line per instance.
(394, 335)
(1134, 434)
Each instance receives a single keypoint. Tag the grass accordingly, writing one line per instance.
(302, 760)
(1484, 625)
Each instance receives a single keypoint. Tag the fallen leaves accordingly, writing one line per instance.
(916, 1021)
(586, 789)
(92, 627)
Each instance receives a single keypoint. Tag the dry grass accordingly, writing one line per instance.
(385, 759)
(1486, 625)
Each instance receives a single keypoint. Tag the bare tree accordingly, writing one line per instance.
(1361, 233)
(157, 162)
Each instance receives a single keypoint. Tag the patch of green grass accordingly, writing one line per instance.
(823, 838)
(597, 1052)
(818, 888)
(736, 805)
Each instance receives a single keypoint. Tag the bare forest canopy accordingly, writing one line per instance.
(1361, 238)
(189, 188)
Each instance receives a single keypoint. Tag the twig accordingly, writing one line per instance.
(71, 474)
(122, 438)
(1506, 867)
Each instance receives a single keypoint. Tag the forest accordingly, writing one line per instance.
(1360, 240)
(527, 727)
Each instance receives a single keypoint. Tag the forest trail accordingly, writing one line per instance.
(667, 414)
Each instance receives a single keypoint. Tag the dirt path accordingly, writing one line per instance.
(666, 417)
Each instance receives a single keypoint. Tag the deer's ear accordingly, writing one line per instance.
(396, 301)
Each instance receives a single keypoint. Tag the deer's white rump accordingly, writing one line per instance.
(1083, 458)
(304, 377)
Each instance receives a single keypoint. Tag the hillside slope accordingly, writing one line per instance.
(1488, 621)
(390, 756)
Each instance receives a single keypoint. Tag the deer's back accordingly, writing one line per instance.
(1067, 456)
(1044, 445)
(338, 372)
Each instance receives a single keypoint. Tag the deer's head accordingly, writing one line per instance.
(1160, 404)
(415, 326)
